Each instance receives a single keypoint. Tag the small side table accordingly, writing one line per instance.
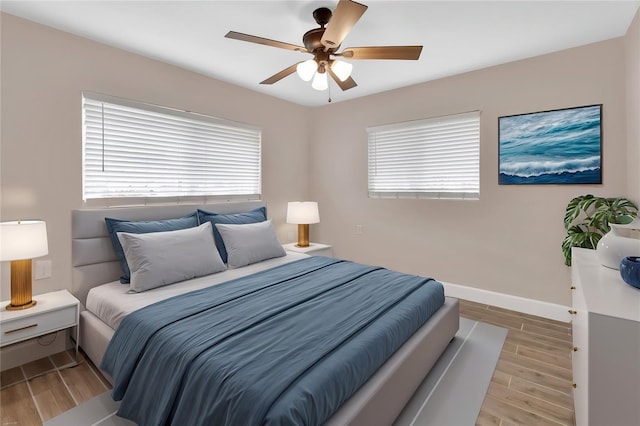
(55, 311)
(314, 249)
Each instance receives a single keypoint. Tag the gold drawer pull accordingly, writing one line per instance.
(573, 287)
(20, 329)
(574, 385)
(575, 349)
(572, 312)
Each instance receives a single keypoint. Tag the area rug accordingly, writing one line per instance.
(451, 394)
(453, 391)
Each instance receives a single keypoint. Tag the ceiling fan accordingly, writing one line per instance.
(323, 43)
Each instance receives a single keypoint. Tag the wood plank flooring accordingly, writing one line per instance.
(37, 391)
(531, 384)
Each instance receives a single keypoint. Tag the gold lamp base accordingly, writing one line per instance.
(11, 307)
(303, 235)
(21, 285)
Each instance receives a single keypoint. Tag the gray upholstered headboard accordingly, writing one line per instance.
(93, 258)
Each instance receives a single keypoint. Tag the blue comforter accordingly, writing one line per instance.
(280, 347)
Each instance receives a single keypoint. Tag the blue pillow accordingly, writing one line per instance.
(254, 216)
(143, 227)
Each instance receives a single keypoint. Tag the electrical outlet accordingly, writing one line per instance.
(42, 269)
(359, 229)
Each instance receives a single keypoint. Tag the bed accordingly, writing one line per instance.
(95, 266)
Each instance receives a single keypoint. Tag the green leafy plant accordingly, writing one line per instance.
(587, 219)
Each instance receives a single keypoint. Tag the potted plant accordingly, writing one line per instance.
(587, 219)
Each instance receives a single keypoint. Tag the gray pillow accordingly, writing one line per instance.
(157, 259)
(142, 227)
(250, 243)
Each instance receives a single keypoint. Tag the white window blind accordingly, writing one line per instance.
(132, 149)
(431, 158)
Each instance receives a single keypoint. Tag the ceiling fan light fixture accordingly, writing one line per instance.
(320, 81)
(306, 69)
(324, 44)
(341, 69)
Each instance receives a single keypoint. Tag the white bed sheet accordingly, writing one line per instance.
(112, 302)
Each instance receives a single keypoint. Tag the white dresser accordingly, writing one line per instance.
(606, 340)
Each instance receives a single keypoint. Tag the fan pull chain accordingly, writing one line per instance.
(329, 87)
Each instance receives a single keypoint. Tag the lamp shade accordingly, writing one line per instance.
(303, 212)
(341, 69)
(320, 81)
(307, 69)
(24, 239)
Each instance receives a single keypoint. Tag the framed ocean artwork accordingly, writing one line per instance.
(563, 146)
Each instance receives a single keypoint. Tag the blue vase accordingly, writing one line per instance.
(630, 270)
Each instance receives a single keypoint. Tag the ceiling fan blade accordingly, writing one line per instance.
(383, 52)
(261, 40)
(345, 16)
(349, 83)
(282, 74)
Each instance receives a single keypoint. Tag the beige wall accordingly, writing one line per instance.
(44, 72)
(509, 240)
(632, 50)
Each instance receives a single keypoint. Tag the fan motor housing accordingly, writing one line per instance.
(312, 39)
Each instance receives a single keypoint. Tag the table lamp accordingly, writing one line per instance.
(303, 213)
(21, 241)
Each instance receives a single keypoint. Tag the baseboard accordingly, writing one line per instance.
(507, 301)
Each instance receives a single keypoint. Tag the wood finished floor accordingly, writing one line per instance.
(532, 383)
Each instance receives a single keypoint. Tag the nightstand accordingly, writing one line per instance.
(314, 249)
(55, 311)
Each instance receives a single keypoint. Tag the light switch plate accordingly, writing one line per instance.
(42, 269)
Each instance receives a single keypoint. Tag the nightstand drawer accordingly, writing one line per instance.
(37, 325)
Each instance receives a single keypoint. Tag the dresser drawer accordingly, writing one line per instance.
(37, 325)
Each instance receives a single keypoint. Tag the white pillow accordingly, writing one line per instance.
(160, 258)
(250, 243)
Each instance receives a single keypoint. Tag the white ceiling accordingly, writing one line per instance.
(457, 36)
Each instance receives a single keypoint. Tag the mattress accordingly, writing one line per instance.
(113, 301)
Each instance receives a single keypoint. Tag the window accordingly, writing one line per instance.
(432, 158)
(132, 149)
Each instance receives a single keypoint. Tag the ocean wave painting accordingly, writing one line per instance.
(552, 147)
